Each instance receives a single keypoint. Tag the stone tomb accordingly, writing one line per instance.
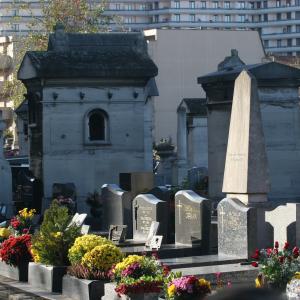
(117, 207)
(237, 228)
(147, 209)
(192, 219)
(284, 222)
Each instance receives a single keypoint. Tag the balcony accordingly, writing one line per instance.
(283, 49)
(280, 35)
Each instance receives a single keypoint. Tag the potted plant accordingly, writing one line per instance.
(91, 259)
(186, 288)
(22, 223)
(139, 277)
(50, 247)
(15, 255)
(277, 267)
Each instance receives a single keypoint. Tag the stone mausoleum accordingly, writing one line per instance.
(90, 109)
(279, 102)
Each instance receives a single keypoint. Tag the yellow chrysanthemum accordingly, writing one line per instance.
(297, 275)
(27, 214)
(204, 283)
(127, 262)
(57, 234)
(102, 257)
(35, 255)
(4, 233)
(171, 290)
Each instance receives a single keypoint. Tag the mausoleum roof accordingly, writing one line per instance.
(101, 55)
(262, 71)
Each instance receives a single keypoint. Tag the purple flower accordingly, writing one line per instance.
(131, 269)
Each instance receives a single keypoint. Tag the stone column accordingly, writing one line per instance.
(181, 135)
(199, 144)
(148, 139)
(181, 145)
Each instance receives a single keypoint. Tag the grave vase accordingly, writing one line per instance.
(19, 272)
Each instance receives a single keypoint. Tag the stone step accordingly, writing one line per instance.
(233, 273)
(200, 261)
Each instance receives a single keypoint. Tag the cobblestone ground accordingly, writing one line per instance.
(8, 293)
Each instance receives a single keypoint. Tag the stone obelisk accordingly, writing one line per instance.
(5, 176)
(246, 167)
(241, 216)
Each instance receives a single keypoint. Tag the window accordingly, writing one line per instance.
(129, 7)
(156, 19)
(215, 18)
(297, 42)
(251, 5)
(241, 4)
(289, 42)
(203, 4)
(227, 18)
(266, 43)
(97, 126)
(265, 17)
(15, 27)
(288, 16)
(278, 3)
(177, 18)
(241, 18)
(177, 4)
(288, 2)
(129, 20)
(278, 43)
(192, 4)
(192, 18)
(265, 4)
(297, 28)
(226, 4)
(118, 6)
(258, 4)
(289, 28)
(215, 4)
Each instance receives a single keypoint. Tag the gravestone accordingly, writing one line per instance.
(198, 179)
(117, 207)
(285, 223)
(166, 194)
(5, 177)
(241, 216)
(136, 182)
(237, 228)
(147, 209)
(192, 219)
(117, 233)
(246, 167)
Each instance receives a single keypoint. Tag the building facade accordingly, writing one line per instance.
(278, 21)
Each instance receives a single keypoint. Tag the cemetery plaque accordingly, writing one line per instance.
(85, 229)
(117, 233)
(152, 232)
(156, 242)
(192, 219)
(148, 209)
(237, 225)
(117, 207)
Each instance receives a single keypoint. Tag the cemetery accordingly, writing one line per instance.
(98, 223)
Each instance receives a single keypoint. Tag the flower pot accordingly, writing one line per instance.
(19, 273)
(48, 278)
(82, 289)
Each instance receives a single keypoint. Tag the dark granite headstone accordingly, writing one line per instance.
(198, 178)
(237, 227)
(117, 233)
(192, 219)
(117, 207)
(147, 209)
(167, 195)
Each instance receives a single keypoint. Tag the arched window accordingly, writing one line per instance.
(97, 126)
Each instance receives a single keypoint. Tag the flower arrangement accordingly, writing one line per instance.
(16, 250)
(51, 243)
(4, 234)
(187, 287)
(139, 274)
(92, 257)
(277, 267)
(22, 222)
(84, 244)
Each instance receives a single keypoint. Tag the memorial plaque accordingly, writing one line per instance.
(147, 209)
(117, 207)
(117, 233)
(152, 232)
(156, 242)
(237, 227)
(192, 219)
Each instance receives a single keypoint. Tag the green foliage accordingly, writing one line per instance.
(52, 242)
(74, 15)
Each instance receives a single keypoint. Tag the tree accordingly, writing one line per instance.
(76, 15)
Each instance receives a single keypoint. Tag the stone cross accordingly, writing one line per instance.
(246, 167)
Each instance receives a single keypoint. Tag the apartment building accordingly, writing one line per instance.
(278, 21)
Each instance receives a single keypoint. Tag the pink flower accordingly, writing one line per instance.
(254, 264)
